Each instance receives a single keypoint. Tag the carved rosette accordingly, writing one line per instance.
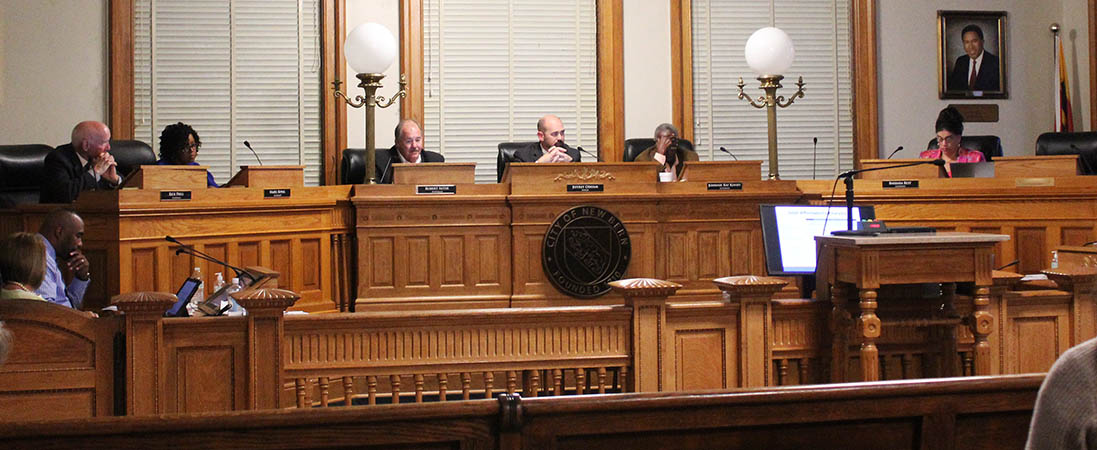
(585, 174)
(1067, 278)
(266, 298)
(644, 287)
(750, 285)
(144, 302)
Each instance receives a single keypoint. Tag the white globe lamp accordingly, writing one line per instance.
(370, 48)
(769, 51)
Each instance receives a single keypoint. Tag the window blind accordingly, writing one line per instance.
(234, 70)
(492, 68)
(820, 33)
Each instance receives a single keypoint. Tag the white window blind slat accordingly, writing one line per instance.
(820, 31)
(234, 70)
(494, 67)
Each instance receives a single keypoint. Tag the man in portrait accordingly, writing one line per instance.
(977, 69)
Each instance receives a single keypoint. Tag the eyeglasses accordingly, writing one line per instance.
(191, 146)
(946, 138)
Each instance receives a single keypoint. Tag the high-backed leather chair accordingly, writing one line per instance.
(506, 155)
(131, 154)
(21, 172)
(635, 146)
(352, 169)
(991, 146)
(1083, 144)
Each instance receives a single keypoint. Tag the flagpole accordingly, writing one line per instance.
(1056, 80)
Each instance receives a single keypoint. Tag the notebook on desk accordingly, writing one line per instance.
(972, 170)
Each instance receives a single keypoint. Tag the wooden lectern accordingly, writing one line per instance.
(154, 177)
(434, 173)
(722, 171)
(269, 177)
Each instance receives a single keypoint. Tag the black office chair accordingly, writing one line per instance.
(506, 156)
(1083, 144)
(131, 154)
(991, 146)
(635, 146)
(21, 172)
(352, 169)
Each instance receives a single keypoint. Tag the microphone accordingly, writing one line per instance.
(580, 148)
(1014, 263)
(814, 157)
(894, 152)
(184, 248)
(248, 145)
(848, 175)
(729, 153)
(1087, 244)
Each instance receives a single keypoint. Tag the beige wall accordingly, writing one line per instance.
(53, 68)
(908, 71)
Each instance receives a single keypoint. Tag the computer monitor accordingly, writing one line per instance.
(788, 234)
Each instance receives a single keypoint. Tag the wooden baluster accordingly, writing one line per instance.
(371, 389)
(805, 371)
(489, 384)
(324, 391)
(418, 388)
(601, 380)
(300, 384)
(512, 381)
(534, 382)
(969, 364)
(580, 381)
(394, 380)
(348, 390)
(443, 384)
(466, 385)
(908, 366)
(308, 393)
(782, 371)
(557, 382)
(622, 379)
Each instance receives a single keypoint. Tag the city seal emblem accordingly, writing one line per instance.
(585, 248)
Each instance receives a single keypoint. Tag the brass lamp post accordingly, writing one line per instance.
(769, 52)
(370, 49)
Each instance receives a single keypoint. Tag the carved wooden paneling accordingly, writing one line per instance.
(282, 261)
(249, 253)
(310, 269)
(491, 266)
(675, 263)
(414, 261)
(380, 257)
(453, 249)
(1032, 249)
(1075, 235)
(202, 373)
(702, 359)
(144, 269)
(207, 365)
(1037, 332)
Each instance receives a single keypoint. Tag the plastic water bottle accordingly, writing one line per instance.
(1054, 259)
(234, 308)
(199, 292)
(218, 281)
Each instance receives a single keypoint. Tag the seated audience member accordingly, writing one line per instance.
(407, 148)
(22, 265)
(1065, 415)
(85, 164)
(179, 145)
(667, 152)
(550, 146)
(67, 270)
(950, 128)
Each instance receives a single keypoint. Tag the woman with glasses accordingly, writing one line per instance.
(950, 128)
(179, 145)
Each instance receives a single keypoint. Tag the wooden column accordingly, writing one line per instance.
(145, 364)
(1080, 281)
(648, 299)
(752, 294)
(266, 308)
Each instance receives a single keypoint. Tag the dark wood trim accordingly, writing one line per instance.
(681, 60)
(611, 80)
(411, 58)
(330, 15)
(1091, 12)
(866, 131)
(341, 74)
(121, 69)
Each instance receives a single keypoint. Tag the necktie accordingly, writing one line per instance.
(971, 82)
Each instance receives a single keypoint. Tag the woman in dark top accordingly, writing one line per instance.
(179, 145)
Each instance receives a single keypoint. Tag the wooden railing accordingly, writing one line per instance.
(978, 412)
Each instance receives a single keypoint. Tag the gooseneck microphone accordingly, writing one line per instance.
(729, 153)
(848, 176)
(814, 157)
(894, 152)
(248, 145)
(190, 250)
(596, 157)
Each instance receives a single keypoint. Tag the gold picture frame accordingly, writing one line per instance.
(960, 33)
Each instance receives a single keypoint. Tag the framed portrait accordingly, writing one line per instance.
(971, 51)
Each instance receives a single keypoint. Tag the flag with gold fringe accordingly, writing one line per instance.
(1064, 117)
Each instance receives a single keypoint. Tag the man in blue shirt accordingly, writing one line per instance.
(67, 270)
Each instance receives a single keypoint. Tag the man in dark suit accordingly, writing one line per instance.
(85, 164)
(977, 70)
(408, 148)
(550, 146)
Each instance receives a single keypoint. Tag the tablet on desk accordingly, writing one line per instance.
(186, 291)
